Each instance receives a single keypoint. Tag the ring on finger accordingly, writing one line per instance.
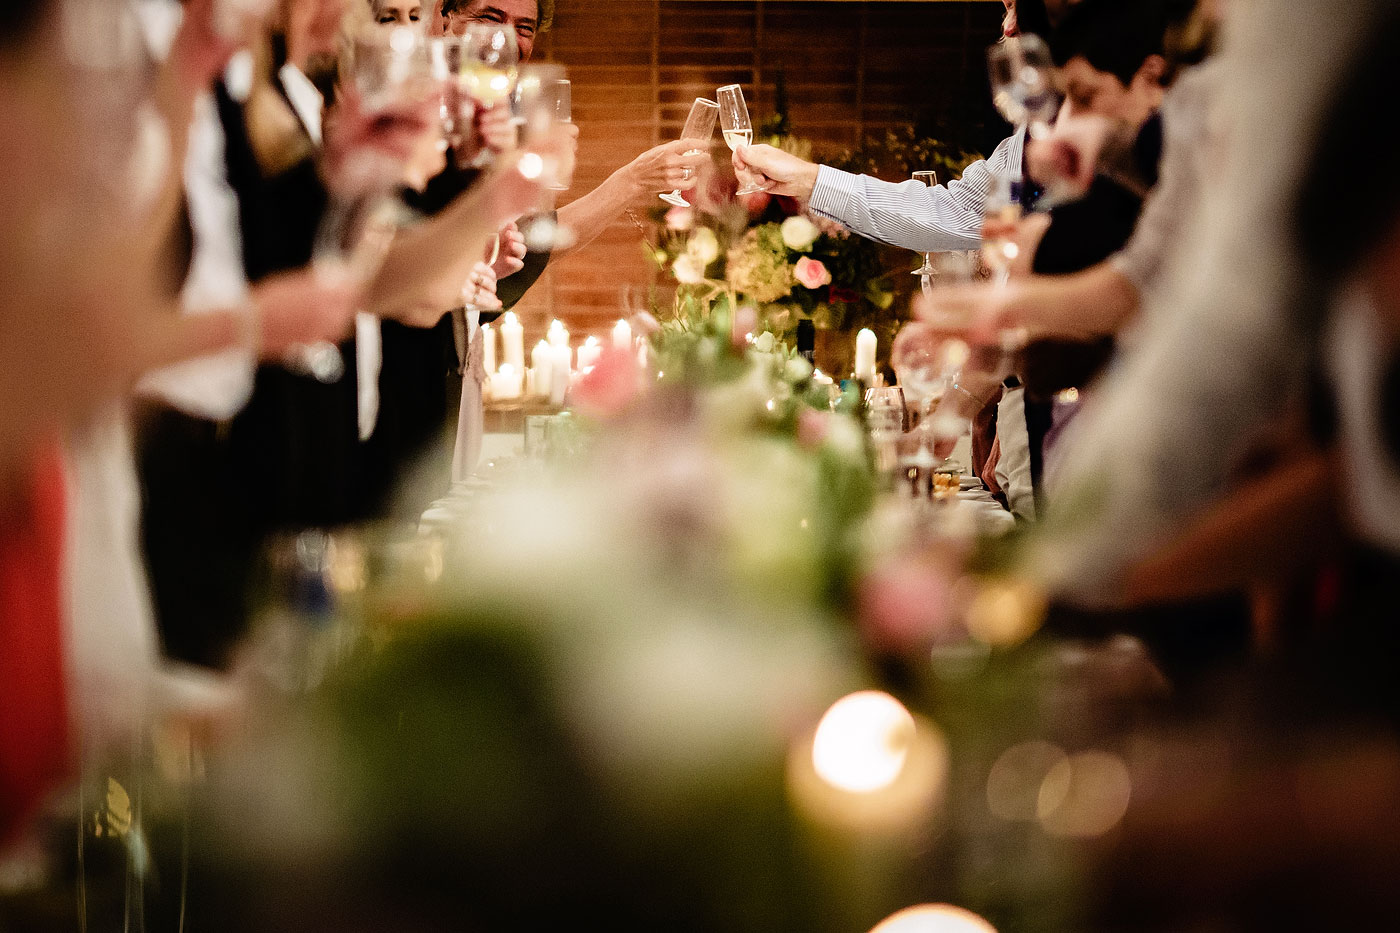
(685, 173)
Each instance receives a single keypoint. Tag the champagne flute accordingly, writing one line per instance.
(737, 129)
(1024, 83)
(930, 179)
(562, 91)
(699, 126)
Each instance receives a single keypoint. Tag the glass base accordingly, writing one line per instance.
(751, 189)
(674, 197)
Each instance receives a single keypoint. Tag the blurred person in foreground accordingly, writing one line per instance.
(1273, 283)
(86, 311)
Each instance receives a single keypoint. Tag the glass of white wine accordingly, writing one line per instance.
(486, 69)
(699, 127)
(737, 128)
(929, 178)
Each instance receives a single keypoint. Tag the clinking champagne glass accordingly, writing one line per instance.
(930, 179)
(1025, 83)
(486, 70)
(737, 129)
(699, 127)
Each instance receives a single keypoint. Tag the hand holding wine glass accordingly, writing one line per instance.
(737, 130)
(927, 361)
(1025, 83)
(699, 127)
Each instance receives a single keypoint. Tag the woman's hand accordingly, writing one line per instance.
(510, 255)
(299, 308)
(667, 167)
(366, 150)
(480, 290)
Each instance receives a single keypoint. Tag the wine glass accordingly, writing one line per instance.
(737, 129)
(699, 126)
(884, 421)
(930, 179)
(1001, 213)
(486, 70)
(927, 361)
(1024, 83)
(536, 105)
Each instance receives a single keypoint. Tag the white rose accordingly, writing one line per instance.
(688, 269)
(704, 246)
(799, 233)
(797, 369)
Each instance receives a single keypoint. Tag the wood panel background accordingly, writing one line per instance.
(852, 70)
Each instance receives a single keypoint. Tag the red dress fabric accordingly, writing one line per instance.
(34, 726)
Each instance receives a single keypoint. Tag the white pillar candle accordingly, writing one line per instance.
(559, 377)
(505, 384)
(865, 356)
(589, 354)
(622, 335)
(488, 348)
(542, 363)
(558, 334)
(513, 341)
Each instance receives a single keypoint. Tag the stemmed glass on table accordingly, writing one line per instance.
(927, 362)
(737, 128)
(699, 127)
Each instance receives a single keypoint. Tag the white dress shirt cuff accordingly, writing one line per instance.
(832, 193)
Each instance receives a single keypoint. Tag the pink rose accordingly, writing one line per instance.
(607, 389)
(812, 427)
(904, 605)
(680, 218)
(811, 273)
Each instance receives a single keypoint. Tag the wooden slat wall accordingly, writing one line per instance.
(852, 70)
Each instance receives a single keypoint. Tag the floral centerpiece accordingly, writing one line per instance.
(770, 254)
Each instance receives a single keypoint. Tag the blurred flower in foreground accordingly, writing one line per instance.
(799, 233)
(904, 604)
(609, 387)
(934, 918)
(1004, 612)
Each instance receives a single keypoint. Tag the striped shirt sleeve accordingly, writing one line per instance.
(912, 215)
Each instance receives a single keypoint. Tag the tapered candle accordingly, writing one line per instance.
(513, 341)
(559, 378)
(865, 356)
(542, 364)
(558, 334)
(622, 335)
(505, 384)
(589, 354)
(488, 348)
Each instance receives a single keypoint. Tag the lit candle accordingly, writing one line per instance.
(513, 341)
(865, 356)
(505, 384)
(488, 348)
(622, 335)
(541, 362)
(558, 334)
(559, 378)
(589, 354)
